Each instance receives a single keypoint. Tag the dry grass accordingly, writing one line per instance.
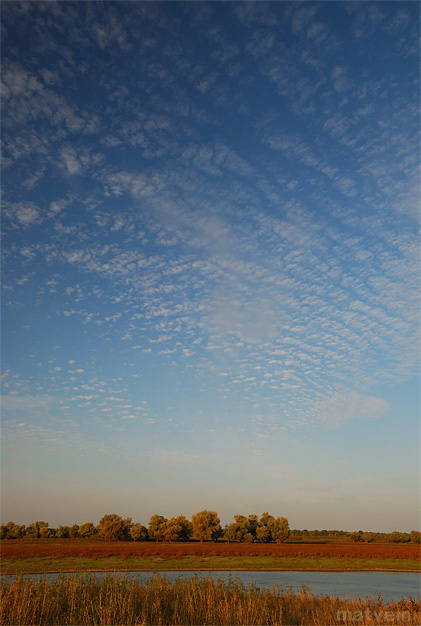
(84, 599)
(57, 548)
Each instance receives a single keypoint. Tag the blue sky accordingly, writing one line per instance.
(210, 261)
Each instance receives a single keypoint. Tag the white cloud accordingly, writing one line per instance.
(70, 161)
(26, 213)
(343, 407)
(25, 405)
(339, 78)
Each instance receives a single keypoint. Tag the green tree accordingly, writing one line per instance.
(264, 527)
(156, 527)
(18, 531)
(263, 533)
(12, 531)
(367, 537)
(230, 533)
(32, 531)
(87, 530)
(45, 532)
(186, 528)
(356, 536)
(415, 536)
(74, 531)
(36, 530)
(113, 527)
(243, 529)
(138, 532)
(62, 532)
(398, 537)
(172, 530)
(252, 524)
(206, 526)
(280, 529)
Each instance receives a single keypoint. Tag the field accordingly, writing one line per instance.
(54, 555)
(84, 600)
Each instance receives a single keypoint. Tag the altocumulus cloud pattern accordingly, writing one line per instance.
(210, 240)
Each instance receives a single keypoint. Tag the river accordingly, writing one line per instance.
(391, 585)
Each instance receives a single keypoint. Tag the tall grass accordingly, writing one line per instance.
(84, 599)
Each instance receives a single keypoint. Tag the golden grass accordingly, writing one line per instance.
(85, 599)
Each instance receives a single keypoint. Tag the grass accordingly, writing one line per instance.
(133, 563)
(85, 600)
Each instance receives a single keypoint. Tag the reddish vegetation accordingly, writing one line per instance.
(97, 549)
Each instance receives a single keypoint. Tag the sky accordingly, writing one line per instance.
(210, 261)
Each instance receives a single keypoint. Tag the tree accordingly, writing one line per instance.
(156, 527)
(280, 529)
(263, 533)
(74, 531)
(243, 529)
(113, 527)
(87, 530)
(45, 532)
(62, 532)
(230, 533)
(206, 526)
(127, 524)
(415, 536)
(138, 532)
(398, 537)
(367, 537)
(172, 530)
(252, 524)
(18, 531)
(264, 527)
(12, 531)
(36, 530)
(186, 528)
(240, 527)
(356, 536)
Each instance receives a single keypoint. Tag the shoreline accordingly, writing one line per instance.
(204, 569)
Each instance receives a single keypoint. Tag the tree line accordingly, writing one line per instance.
(360, 536)
(204, 526)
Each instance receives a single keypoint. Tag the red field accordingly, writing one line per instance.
(94, 549)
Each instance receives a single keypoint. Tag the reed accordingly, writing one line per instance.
(86, 599)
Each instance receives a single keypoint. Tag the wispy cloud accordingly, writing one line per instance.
(345, 406)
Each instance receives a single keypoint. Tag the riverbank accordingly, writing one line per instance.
(51, 564)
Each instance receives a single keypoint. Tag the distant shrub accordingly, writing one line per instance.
(398, 537)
